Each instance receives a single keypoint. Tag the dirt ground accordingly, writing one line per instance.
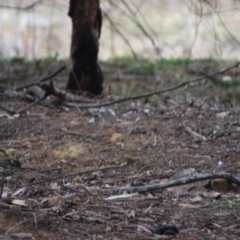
(74, 160)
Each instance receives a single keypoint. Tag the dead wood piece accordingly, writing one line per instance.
(40, 92)
(42, 80)
(31, 105)
(7, 110)
(195, 134)
(76, 174)
(50, 89)
(182, 181)
(36, 91)
(62, 94)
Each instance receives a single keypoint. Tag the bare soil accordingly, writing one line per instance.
(73, 159)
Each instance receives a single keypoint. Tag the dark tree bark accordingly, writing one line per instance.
(85, 74)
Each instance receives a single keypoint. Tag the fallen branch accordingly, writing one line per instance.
(7, 110)
(147, 95)
(75, 174)
(42, 94)
(62, 94)
(41, 89)
(182, 181)
(31, 105)
(42, 80)
(26, 107)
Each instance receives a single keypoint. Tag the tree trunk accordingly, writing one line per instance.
(85, 74)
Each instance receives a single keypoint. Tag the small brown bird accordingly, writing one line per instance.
(9, 166)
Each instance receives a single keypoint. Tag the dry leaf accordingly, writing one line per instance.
(141, 228)
(10, 152)
(128, 160)
(75, 123)
(215, 195)
(186, 205)
(196, 199)
(93, 189)
(23, 235)
(222, 114)
(55, 201)
(19, 202)
(169, 173)
(72, 216)
(117, 138)
(130, 214)
(77, 180)
(70, 151)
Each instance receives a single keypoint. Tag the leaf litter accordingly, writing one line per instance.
(75, 162)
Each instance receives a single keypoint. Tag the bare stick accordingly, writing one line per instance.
(6, 110)
(32, 104)
(76, 174)
(152, 93)
(22, 8)
(48, 88)
(42, 80)
(182, 181)
(195, 134)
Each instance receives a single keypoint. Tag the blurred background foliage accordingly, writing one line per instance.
(155, 29)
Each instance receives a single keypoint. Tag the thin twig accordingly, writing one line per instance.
(22, 8)
(195, 134)
(32, 104)
(75, 174)
(7, 110)
(42, 80)
(147, 95)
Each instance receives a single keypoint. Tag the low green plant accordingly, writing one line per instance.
(50, 58)
(225, 203)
